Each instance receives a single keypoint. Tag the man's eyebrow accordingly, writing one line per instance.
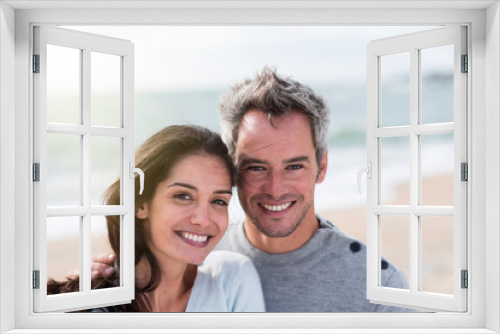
(189, 186)
(304, 158)
(248, 160)
(244, 160)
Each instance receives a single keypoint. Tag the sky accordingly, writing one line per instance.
(179, 58)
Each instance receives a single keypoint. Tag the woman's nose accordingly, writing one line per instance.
(200, 216)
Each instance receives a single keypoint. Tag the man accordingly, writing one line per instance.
(276, 131)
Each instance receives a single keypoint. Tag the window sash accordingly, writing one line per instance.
(85, 298)
(413, 298)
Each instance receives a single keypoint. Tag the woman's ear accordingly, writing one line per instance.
(141, 211)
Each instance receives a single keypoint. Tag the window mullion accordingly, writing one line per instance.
(85, 283)
(414, 170)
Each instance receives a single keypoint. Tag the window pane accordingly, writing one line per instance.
(63, 85)
(437, 84)
(105, 89)
(63, 246)
(63, 169)
(395, 89)
(105, 157)
(437, 166)
(395, 171)
(437, 254)
(395, 242)
(100, 242)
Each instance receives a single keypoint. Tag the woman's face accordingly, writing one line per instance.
(187, 215)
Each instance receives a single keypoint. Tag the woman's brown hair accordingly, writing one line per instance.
(155, 157)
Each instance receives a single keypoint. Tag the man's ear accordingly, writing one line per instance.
(141, 211)
(322, 168)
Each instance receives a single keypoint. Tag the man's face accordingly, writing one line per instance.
(277, 171)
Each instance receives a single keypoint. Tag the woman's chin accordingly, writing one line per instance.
(197, 259)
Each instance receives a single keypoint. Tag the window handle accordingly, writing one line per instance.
(134, 170)
(368, 171)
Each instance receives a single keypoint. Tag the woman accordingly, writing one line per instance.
(180, 218)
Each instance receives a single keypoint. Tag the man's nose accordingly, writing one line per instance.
(201, 215)
(275, 184)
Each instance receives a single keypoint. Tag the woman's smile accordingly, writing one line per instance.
(194, 239)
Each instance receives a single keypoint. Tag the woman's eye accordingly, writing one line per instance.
(182, 196)
(220, 202)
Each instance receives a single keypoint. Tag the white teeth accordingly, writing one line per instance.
(194, 237)
(277, 208)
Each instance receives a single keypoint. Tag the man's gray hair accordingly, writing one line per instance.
(275, 95)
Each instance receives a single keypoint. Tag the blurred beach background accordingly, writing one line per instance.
(180, 73)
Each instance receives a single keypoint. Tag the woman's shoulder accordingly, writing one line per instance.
(227, 282)
(226, 256)
(224, 263)
(227, 260)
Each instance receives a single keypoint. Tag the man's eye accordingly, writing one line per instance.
(183, 196)
(255, 168)
(295, 167)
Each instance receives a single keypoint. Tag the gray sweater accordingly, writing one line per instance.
(327, 274)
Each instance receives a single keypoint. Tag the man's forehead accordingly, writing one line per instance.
(252, 121)
(258, 119)
(287, 138)
(254, 136)
(257, 124)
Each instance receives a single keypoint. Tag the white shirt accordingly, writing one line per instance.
(226, 282)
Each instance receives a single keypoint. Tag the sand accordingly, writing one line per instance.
(437, 238)
(437, 234)
(63, 255)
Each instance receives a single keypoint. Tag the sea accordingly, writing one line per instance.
(346, 142)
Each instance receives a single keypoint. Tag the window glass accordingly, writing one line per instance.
(63, 169)
(100, 240)
(395, 89)
(437, 168)
(395, 242)
(63, 84)
(395, 171)
(63, 246)
(437, 254)
(105, 89)
(436, 65)
(105, 160)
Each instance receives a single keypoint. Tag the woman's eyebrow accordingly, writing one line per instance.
(181, 184)
(223, 192)
(189, 186)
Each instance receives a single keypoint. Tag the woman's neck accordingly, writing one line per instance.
(173, 291)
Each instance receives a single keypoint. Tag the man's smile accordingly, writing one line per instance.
(277, 208)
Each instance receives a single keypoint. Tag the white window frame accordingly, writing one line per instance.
(483, 21)
(414, 211)
(86, 43)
